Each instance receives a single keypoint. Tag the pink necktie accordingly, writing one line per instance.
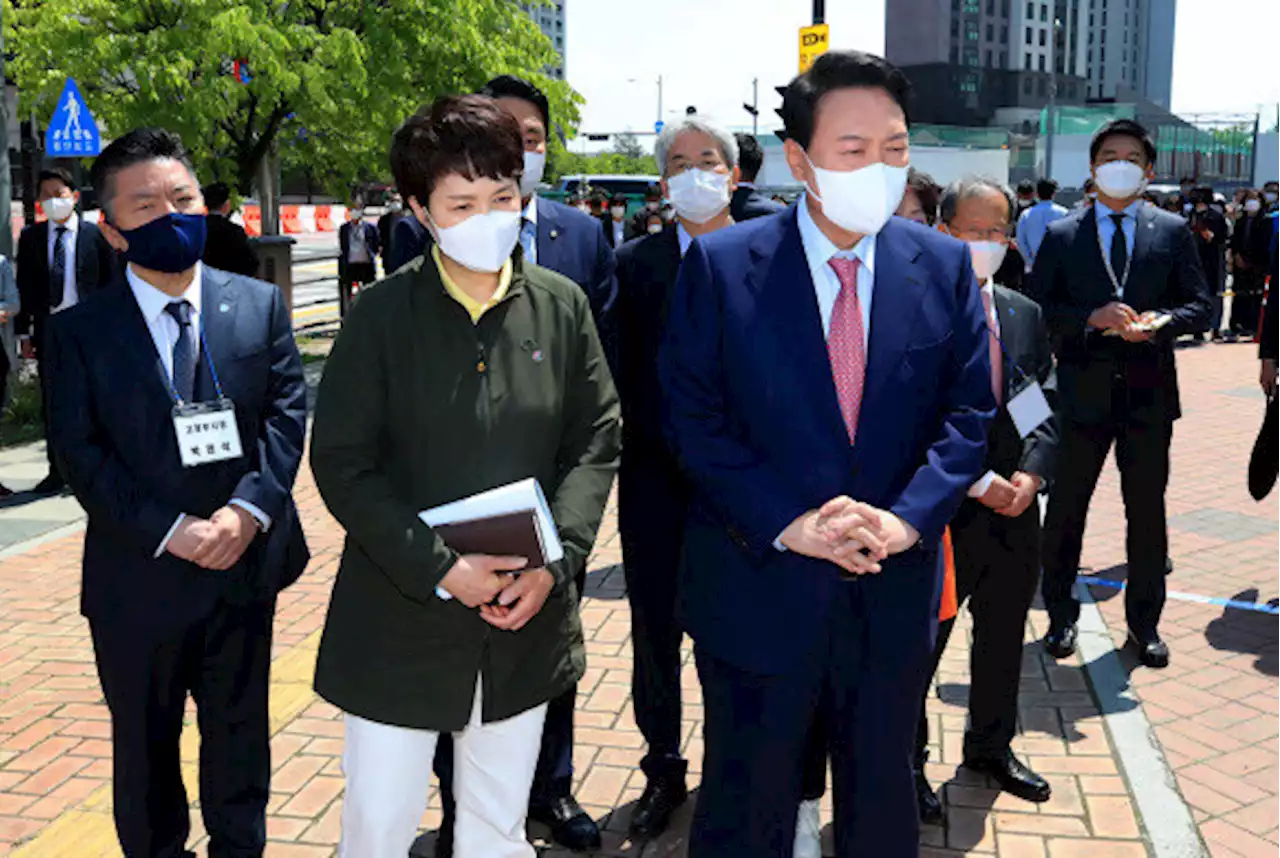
(846, 345)
(993, 345)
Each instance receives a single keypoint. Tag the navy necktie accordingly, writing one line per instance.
(1119, 250)
(58, 270)
(184, 351)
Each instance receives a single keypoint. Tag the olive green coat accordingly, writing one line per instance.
(419, 407)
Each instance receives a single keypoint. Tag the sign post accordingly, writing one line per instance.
(814, 42)
(72, 132)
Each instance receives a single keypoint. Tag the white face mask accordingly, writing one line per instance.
(584, 208)
(987, 258)
(482, 242)
(699, 195)
(534, 165)
(618, 212)
(861, 200)
(59, 208)
(395, 206)
(1120, 179)
(1269, 196)
(1252, 206)
(654, 228)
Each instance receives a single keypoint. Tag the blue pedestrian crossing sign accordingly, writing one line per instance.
(73, 132)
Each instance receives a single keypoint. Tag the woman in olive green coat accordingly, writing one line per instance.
(464, 371)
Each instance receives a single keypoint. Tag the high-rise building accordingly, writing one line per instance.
(970, 58)
(1129, 52)
(550, 19)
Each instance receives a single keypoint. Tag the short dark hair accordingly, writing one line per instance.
(838, 70)
(1046, 188)
(653, 192)
(1187, 180)
(510, 86)
(750, 156)
(926, 191)
(1122, 128)
(55, 174)
(464, 134)
(135, 147)
(619, 198)
(1270, 183)
(1026, 188)
(216, 194)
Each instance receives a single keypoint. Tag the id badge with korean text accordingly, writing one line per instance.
(207, 432)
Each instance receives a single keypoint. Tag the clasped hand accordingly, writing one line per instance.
(1013, 496)
(505, 601)
(853, 535)
(215, 543)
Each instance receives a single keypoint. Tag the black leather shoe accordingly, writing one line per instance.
(1061, 643)
(50, 485)
(444, 839)
(1012, 776)
(653, 811)
(926, 798)
(570, 825)
(1154, 653)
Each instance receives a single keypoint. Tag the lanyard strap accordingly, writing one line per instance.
(208, 361)
(1128, 257)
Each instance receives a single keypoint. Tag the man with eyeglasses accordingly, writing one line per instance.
(996, 533)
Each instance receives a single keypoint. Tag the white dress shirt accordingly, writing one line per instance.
(70, 291)
(984, 482)
(818, 251)
(619, 232)
(682, 235)
(1106, 236)
(164, 332)
(357, 249)
(529, 230)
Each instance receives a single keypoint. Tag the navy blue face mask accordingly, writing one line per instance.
(173, 243)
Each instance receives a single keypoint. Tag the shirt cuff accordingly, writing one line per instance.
(164, 543)
(443, 595)
(777, 544)
(984, 482)
(264, 520)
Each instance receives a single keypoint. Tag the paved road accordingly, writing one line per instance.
(1207, 726)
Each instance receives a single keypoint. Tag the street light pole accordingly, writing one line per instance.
(659, 119)
(819, 11)
(1053, 100)
(755, 106)
(6, 187)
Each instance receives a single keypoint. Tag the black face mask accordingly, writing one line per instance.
(172, 243)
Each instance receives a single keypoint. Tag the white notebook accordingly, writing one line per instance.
(523, 496)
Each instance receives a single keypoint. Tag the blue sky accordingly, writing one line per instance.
(708, 51)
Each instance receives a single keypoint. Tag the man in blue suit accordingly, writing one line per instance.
(178, 412)
(564, 240)
(828, 392)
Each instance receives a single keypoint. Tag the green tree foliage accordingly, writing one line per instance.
(605, 163)
(331, 79)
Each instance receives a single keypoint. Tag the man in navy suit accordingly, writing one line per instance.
(1103, 275)
(60, 261)
(748, 203)
(178, 411)
(828, 391)
(571, 243)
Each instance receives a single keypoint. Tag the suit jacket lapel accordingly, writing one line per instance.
(790, 304)
(894, 303)
(1141, 243)
(217, 318)
(550, 236)
(83, 251)
(136, 343)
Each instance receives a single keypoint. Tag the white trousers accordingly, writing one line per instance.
(388, 772)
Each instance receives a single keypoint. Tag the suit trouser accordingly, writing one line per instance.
(554, 775)
(866, 675)
(652, 504)
(223, 661)
(997, 569)
(1142, 456)
(388, 771)
(43, 376)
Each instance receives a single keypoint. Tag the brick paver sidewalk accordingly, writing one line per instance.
(55, 754)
